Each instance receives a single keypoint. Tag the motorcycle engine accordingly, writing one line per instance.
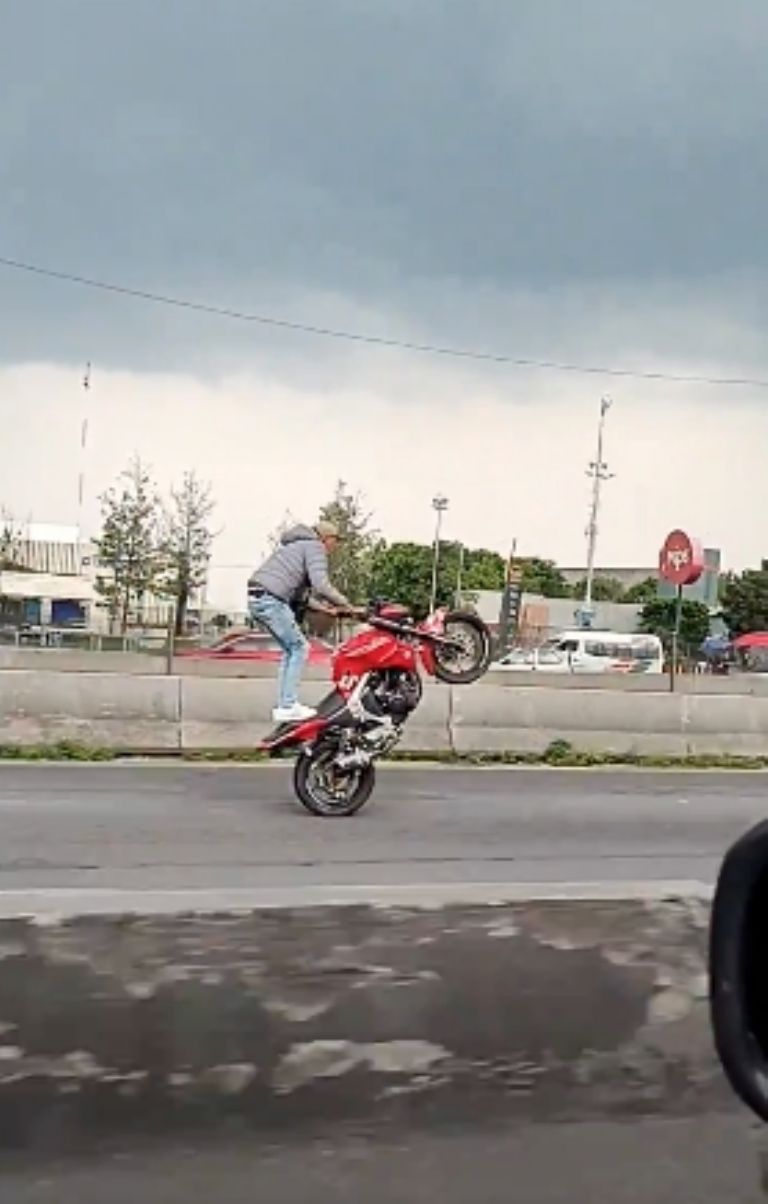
(394, 693)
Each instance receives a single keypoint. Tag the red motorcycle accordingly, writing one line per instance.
(376, 686)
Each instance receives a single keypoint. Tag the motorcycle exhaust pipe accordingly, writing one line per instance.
(354, 760)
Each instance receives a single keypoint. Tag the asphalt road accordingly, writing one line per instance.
(140, 827)
(709, 1160)
(166, 828)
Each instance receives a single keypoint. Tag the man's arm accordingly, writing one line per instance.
(317, 571)
(319, 608)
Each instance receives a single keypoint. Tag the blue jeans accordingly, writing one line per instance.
(277, 617)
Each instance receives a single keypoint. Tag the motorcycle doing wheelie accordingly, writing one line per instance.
(376, 685)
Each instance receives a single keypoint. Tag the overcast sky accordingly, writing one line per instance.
(547, 179)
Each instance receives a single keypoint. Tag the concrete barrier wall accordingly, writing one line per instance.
(453, 1010)
(172, 713)
(725, 724)
(68, 660)
(235, 714)
(225, 714)
(486, 718)
(102, 710)
(751, 684)
(65, 660)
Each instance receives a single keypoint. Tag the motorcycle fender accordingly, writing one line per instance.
(427, 654)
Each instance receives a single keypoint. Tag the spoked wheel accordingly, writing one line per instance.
(328, 791)
(467, 654)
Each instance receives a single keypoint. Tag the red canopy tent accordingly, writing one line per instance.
(752, 639)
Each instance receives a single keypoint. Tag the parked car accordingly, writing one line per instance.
(530, 660)
(255, 646)
(587, 651)
(592, 650)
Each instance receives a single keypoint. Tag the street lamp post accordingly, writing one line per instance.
(439, 505)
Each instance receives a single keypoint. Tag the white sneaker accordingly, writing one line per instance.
(293, 714)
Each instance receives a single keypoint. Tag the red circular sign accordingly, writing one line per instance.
(681, 560)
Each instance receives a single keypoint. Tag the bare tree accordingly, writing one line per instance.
(352, 562)
(286, 522)
(10, 541)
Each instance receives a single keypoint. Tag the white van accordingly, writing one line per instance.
(588, 650)
(532, 660)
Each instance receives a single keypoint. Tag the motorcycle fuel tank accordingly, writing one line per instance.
(369, 651)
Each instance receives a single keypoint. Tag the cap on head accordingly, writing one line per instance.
(327, 530)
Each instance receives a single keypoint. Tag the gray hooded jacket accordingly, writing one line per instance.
(300, 563)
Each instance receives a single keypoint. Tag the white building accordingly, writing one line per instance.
(51, 581)
(542, 617)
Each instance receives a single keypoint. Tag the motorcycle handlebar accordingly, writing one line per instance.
(370, 614)
(405, 627)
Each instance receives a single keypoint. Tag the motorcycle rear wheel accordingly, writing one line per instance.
(313, 782)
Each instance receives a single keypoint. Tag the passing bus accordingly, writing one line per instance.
(588, 650)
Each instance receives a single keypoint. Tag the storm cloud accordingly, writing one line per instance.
(539, 177)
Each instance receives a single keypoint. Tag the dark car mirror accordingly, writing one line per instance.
(738, 968)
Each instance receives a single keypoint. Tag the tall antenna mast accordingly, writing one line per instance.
(598, 472)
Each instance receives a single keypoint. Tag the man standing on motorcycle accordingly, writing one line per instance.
(278, 595)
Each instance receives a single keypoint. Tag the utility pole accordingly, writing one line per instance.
(81, 473)
(460, 575)
(439, 505)
(203, 597)
(598, 472)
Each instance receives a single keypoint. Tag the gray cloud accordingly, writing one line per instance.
(546, 171)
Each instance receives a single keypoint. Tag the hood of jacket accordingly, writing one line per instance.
(297, 533)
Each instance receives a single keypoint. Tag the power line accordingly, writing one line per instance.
(351, 336)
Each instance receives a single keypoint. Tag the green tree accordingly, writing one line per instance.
(658, 618)
(402, 572)
(185, 544)
(744, 599)
(482, 570)
(350, 564)
(604, 589)
(10, 541)
(128, 547)
(543, 577)
(643, 591)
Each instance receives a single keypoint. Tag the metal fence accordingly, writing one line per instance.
(78, 640)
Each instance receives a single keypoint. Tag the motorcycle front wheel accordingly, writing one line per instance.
(468, 655)
(327, 791)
